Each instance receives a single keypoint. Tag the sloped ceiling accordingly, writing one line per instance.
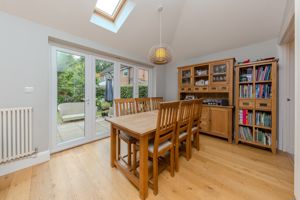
(191, 27)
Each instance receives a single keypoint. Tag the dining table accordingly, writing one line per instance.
(141, 126)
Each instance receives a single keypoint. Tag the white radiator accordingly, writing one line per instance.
(15, 133)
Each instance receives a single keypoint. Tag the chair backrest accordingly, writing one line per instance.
(124, 106)
(197, 109)
(185, 116)
(166, 123)
(155, 101)
(143, 104)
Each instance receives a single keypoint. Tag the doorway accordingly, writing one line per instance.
(83, 87)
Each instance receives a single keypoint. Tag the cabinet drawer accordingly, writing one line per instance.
(246, 104)
(186, 89)
(213, 88)
(218, 88)
(263, 104)
(200, 89)
(222, 88)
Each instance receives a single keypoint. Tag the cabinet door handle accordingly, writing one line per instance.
(263, 104)
(245, 103)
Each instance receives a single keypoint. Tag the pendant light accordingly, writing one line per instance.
(160, 54)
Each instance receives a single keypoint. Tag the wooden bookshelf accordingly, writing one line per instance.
(256, 95)
(210, 80)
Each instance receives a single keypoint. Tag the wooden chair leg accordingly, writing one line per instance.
(129, 154)
(119, 147)
(172, 156)
(187, 149)
(155, 176)
(177, 157)
(134, 159)
(197, 141)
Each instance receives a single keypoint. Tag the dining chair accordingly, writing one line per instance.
(164, 138)
(155, 101)
(183, 130)
(143, 104)
(126, 107)
(195, 124)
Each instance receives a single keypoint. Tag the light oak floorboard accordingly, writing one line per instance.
(219, 171)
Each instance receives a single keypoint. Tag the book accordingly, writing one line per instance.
(263, 119)
(245, 133)
(246, 117)
(246, 91)
(263, 137)
(263, 73)
(263, 91)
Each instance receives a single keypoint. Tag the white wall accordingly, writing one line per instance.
(253, 52)
(297, 104)
(25, 61)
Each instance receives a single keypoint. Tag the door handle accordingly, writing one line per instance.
(288, 99)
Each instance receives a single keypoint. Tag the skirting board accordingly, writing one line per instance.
(24, 163)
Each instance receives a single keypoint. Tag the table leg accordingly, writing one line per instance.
(113, 139)
(143, 178)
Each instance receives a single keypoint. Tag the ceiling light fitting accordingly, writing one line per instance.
(160, 54)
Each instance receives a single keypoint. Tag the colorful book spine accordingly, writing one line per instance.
(263, 137)
(263, 73)
(263, 119)
(263, 91)
(246, 91)
(246, 117)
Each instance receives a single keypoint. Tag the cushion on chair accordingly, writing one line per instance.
(182, 135)
(194, 128)
(160, 147)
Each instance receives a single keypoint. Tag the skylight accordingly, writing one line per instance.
(109, 8)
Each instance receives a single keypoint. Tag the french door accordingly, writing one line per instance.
(82, 91)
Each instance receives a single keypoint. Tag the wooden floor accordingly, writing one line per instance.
(219, 171)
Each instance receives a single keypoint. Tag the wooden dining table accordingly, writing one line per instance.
(141, 126)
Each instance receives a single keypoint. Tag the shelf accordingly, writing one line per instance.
(246, 82)
(186, 77)
(269, 81)
(255, 143)
(201, 76)
(219, 74)
(263, 127)
(248, 125)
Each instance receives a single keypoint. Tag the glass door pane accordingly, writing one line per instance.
(70, 96)
(143, 82)
(104, 95)
(219, 73)
(126, 82)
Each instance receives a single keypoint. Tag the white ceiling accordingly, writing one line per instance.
(191, 27)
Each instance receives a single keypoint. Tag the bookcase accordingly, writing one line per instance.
(256, 91)
(212, 82)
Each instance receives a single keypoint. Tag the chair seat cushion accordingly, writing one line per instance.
(162, 146)
(194, 128)
(124, 136)
(182, 135)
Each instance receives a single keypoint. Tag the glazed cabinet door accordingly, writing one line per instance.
(219, 121)
(219, 73)
(186, 77)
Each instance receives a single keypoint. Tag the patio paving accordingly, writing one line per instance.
(72, 130)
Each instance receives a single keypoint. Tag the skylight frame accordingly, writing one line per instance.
(115, 14)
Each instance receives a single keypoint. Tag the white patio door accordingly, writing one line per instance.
(71, 99)
(103, 93)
